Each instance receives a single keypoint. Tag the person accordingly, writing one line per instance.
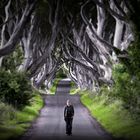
(68, 117)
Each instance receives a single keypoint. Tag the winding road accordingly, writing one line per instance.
(50, 124)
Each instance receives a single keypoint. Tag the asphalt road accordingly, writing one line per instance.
(50, 125)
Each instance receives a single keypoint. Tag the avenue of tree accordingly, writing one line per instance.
(86, 37)
(95, 43)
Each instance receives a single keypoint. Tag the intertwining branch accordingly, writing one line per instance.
(81, 36)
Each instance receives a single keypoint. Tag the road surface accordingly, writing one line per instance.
(50, 125)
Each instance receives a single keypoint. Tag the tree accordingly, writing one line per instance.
(87, 36)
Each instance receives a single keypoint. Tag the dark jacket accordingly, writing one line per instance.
(68, 111)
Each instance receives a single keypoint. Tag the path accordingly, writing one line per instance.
(50, 124)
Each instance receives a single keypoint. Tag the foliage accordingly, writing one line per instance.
(72, 84)
(74, 89)
(127, 88)
(61, 74)
(111, 115)
(15, 88)
(7, 112)
(134, 65)
(15, 126)
(127, 77)
(53, 87)
(12, 61)
(127, 74)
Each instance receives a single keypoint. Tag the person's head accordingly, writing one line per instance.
(68, 102)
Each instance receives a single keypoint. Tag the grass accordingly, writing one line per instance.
(74, 89)
(15, 125)
(53, 88)
(113, 117)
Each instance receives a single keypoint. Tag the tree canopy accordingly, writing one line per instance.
(86, 37)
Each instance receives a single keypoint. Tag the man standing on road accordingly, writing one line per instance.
(68, 117)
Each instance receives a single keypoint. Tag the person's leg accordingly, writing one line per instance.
(66, 120)
(70, 126)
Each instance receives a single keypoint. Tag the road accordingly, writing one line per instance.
(50, 125)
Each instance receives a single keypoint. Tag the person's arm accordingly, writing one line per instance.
(65, 112)
(72, 111)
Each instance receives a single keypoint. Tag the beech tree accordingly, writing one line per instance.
(88, 36)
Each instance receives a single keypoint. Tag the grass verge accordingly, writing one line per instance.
(53, 88)
(14, 122)
(74, 89)
(112, 116)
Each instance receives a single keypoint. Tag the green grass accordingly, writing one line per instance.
(13, 127)
(53, 88)
(113, 117)
(74, 89)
